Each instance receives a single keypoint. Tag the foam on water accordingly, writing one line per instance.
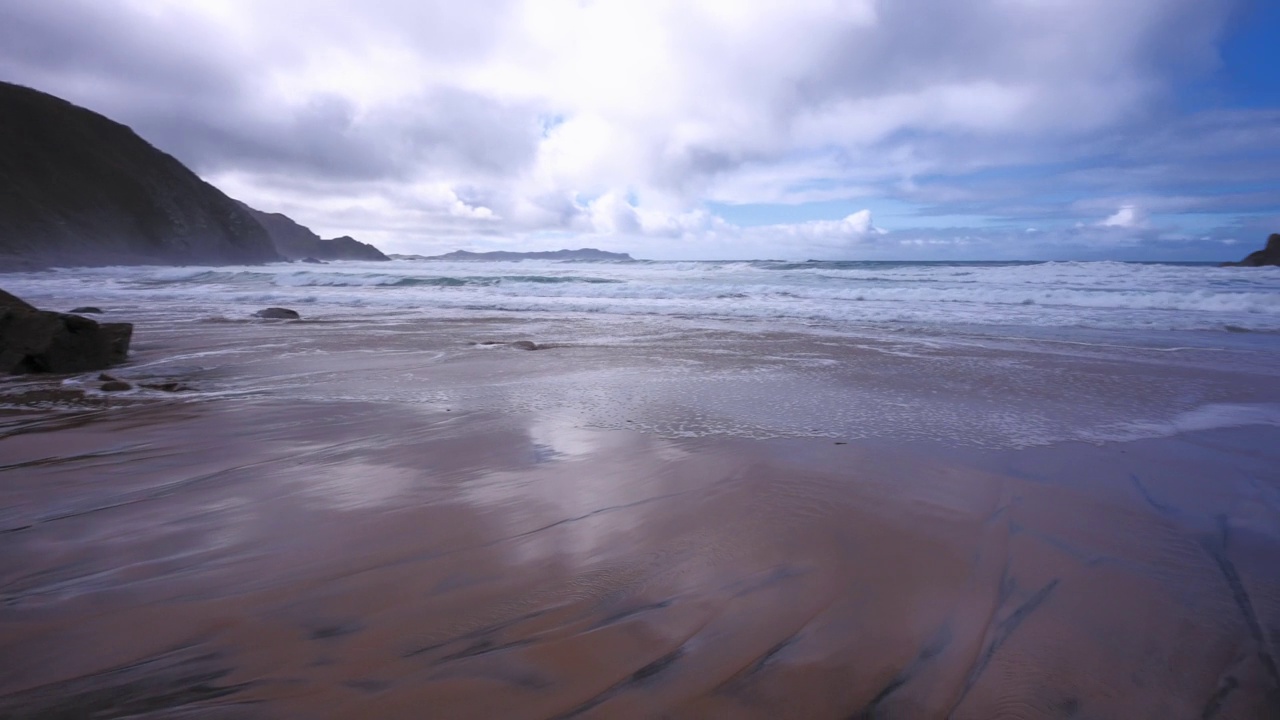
(1107, 295)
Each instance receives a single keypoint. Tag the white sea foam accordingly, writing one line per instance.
(1212, 416)
(1107, 295)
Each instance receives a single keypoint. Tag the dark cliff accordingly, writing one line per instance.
(1268, 255)
(79, 189)
(296, 242)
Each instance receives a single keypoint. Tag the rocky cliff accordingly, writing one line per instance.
(1269, 255)
(296, 242)
(79, 189)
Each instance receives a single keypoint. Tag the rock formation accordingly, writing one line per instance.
(33, 340)
(277, 313)
(79, 189)
(1269, 255)
(298, 242)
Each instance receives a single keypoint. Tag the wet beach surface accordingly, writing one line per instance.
(345, 520)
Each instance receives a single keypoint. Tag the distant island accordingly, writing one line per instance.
(579, 254)
(79, 189)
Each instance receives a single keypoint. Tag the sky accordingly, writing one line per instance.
(702, 129)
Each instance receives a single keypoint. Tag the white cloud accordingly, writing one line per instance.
(433, 124)
(1128, 216)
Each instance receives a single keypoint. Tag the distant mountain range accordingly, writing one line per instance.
(580, 254)
(77, 188)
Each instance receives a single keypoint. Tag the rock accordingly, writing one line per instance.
(275, 313)
(1269, 255)
(87, 310)
(313, 261)
(33, 340)
(524, 345)
(79, 189)
(104, 377)
(298, 242)
(348, 248)
(116, 386)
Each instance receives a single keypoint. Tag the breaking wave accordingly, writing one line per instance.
(1110, 295)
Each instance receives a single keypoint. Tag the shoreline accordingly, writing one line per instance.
(386, 516)
(283, 558)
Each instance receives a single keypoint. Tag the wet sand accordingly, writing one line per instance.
(273, 554)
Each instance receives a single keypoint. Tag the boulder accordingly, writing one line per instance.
(116, 386)
(276, 313)
(87, 310)
(313, 261)
(1269, 255)
(525, 345)
(33, 340)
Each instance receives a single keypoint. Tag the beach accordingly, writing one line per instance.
(700, 497)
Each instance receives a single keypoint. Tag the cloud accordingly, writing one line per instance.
(1128, 216)
(428, 125)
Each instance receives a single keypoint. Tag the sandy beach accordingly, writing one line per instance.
(450, 529)
(618, 360)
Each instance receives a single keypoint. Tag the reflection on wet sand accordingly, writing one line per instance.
(295, 559)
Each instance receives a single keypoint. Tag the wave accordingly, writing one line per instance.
(308, 278)
(1044, 294)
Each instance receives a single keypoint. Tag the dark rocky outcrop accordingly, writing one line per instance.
(276, 313)
(298, 242)
(33, 340)
(1269, 255)
(348, 248)
(87, 310)
(79, 189)
(580, 254)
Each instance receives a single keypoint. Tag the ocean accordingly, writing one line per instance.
(1109, 296)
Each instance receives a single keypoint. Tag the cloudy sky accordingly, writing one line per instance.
(876, 129)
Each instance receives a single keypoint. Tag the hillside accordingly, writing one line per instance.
(296, 241)
(77, 188)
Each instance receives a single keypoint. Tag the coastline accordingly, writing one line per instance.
(345, 518)
(287, 559)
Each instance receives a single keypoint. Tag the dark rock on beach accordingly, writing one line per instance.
(275, 313)
(524, 345)
(77, 188)
(87, 310)
(33, 340)
(116, 386)
(1269, 255)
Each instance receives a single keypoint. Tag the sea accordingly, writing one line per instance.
(1002, 354)
(1187, 298)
